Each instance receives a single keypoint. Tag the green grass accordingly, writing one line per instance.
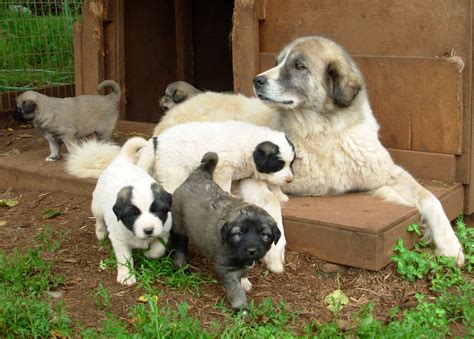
(27, 311)
(37, 50)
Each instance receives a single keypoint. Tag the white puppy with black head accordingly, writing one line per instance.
(132, 208)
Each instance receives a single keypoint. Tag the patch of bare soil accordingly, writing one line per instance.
(303, 285)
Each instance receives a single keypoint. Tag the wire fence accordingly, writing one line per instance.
(36, 43)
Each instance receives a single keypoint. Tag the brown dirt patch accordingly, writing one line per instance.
(303, 285)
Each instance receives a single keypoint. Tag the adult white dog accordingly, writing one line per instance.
(318, 97)
(132, 209)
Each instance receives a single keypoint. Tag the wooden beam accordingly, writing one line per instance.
(245, 45)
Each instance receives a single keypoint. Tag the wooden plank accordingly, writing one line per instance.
(417, 101)
(357, 229)
(467, 167)
(92, 46)
(184, 40)
(78, 69)
(427, 119)
(431, 166)
(245, 45)
(114, 65)
(372, 27)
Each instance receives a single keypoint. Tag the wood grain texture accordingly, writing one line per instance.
(245, 45)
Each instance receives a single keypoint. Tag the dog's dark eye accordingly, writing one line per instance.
(299, 66)
(266, 237)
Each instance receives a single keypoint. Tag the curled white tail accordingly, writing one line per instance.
(89, 159)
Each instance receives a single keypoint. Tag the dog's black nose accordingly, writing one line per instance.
(148, 231)
(251, 250)
(260, 80)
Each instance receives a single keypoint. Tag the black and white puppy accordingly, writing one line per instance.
(232, 233)
(132, 208)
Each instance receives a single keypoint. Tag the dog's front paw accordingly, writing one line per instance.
(450, 247)
(275, 267)
(246, 284)
(282, 197)
(157, 249)
(53, 157)
(100, 233)
(125, 278)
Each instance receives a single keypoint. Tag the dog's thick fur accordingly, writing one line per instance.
(132, 208)
(318, 98)
(212, 106)
(232, 233)
(177, 92)
(65, 120)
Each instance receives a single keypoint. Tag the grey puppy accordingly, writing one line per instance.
(232, 233)
(177, 92)
(65, 120)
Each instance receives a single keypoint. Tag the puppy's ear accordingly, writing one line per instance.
(161, 198)
(276, 233)
(178, 96)
(124, 197)
(225, 232)
(265, 157)
(28, 106)
(342, 83)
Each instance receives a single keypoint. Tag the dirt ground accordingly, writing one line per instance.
(303, 285)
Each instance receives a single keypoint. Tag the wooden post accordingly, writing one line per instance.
(245, 44)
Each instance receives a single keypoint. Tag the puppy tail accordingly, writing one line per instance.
(209, 162)
(131, 147)
(110, 83)
(89, 159)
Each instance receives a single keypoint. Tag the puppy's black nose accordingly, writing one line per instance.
(148, 231)
(260, 80)
(251, 250)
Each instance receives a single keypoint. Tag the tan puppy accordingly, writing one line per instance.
(213, 106)
(65, 120)
(319, 99)
(177, 92)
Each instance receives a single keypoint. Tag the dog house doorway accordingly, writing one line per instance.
(166, 41)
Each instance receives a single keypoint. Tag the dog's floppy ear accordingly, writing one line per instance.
(342, 83)
(124, 197)
(28, 106)
(276, 233)
(161, 198)
(178, 96)
(264, 157)
(225, 231)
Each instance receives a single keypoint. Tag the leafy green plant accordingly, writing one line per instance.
(50, 239)
(101, 297)
(50, 214)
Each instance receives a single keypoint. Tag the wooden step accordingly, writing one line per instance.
(354, 229)
(358, 229)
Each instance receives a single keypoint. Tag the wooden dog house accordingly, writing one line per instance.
(416, 56)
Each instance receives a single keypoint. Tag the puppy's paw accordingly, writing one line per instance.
(100, 233)
(282, 197)
(156, 250)
(246, 284)
(275, 267)
(124, 278)
(53, 157)
(450, 247)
